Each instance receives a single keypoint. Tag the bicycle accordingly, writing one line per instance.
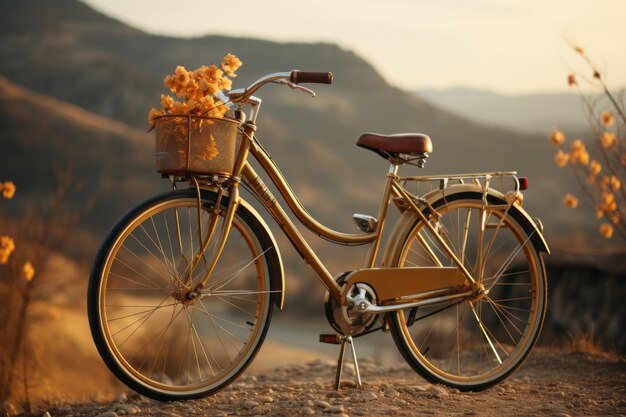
(182, 289)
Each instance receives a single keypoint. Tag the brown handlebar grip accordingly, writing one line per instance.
(311, 77)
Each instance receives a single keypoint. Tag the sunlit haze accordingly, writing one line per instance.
(510, 46)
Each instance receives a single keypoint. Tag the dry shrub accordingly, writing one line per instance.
(38, 234)
(600, 165)
(587, 344)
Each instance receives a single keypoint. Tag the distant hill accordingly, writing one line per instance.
(110, 161)
(68, 51)
(531, 113)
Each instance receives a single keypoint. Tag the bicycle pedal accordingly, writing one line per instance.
(330, 339)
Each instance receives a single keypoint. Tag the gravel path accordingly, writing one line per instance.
(548, 384)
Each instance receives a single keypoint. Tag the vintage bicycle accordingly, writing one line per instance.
(182, 289)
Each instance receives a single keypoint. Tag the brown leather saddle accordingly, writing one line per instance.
(394, 145)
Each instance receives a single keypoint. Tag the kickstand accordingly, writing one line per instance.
(343, 340)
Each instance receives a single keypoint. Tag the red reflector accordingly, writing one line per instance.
(523, 183)
(329, 338)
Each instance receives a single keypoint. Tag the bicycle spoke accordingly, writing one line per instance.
(133, 281)
(215, 329)
(495, 352)
(169, 326)
(134, 314)
(164, 262)
(510, 259)
(235, 306)
(142, 320)
(137, 272)
(150, 252)
(156, 335)
(238, 272)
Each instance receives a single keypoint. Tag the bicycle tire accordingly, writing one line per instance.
(125, 275)
(491, 336)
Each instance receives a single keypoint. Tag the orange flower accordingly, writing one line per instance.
(170, 82)
(595, 167)
(599, 212)
(197, 90)
(561, 159)
(219, 110)
(207, 87)
(154, 113)
(8, 190)
(557, 137)
(224, 83)
(571, 80)
(609, 205)
(210, 152)
(7, 246)
(606, 230)
(607, 118)
(616, 184)
(615, 219)
(28, 271)
(166, 101)
(578, 153)
(608, 139)
(205, 104)
(570, 201)
(230, 64)
(181, 76)
(213, 73)
(179, 108)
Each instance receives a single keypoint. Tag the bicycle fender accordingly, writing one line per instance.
(409, 217)
(275, 264)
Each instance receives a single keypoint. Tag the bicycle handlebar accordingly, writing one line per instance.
(311, 77)
(292, 79)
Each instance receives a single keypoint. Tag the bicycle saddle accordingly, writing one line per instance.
(392, 145)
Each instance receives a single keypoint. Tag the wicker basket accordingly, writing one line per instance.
(195, 144)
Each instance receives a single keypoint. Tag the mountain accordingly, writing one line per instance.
(75, 55)
(530, 113)
(109, 161)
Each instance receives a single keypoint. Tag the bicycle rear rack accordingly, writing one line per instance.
(507, 183)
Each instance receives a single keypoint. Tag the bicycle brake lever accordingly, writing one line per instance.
(297, 87)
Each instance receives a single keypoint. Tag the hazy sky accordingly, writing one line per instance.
(510, 46)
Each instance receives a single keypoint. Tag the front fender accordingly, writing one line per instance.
(408, 219)
(275, 263)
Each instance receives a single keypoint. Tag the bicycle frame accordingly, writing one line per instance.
(243, 170)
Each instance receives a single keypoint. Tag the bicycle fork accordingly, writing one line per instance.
(233, 191)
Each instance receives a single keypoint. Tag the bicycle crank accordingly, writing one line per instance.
(345, 319)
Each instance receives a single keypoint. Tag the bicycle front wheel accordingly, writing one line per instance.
(476, 342)
(153, 336)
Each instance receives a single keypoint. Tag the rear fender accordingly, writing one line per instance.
(408, 219)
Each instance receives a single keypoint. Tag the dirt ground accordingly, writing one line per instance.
(549, 383)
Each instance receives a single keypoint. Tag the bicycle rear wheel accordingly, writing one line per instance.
(151, 334)
(474, 343)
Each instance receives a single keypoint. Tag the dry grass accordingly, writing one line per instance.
(588, 344)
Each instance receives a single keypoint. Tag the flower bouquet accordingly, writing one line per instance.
(192, 133)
